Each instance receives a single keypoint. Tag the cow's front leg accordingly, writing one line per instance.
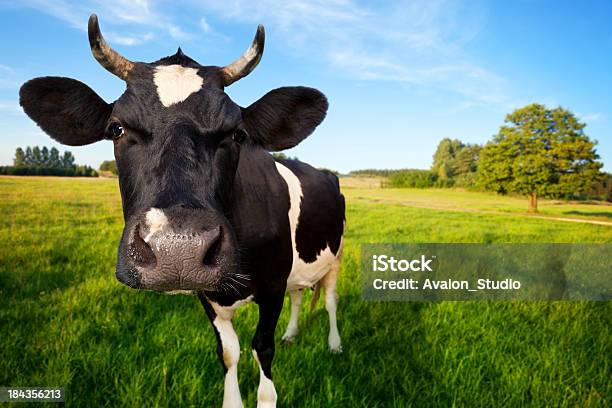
(228, 349)
(270, 306)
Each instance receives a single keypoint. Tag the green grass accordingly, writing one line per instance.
(456, 199)
(67, 322)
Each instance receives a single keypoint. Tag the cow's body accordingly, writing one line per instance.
(289, 219)
(207, 208)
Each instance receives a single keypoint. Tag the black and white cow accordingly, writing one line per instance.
(207, 209)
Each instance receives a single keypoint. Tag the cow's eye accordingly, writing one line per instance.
(239, 135)
(115, 130)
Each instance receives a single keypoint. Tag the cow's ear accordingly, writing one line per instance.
(66, 109)
(284, 117)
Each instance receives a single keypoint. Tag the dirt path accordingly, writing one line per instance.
(571, 220)
(471, 210)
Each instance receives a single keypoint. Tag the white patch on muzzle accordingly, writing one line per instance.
(175, 83)
(156, 222)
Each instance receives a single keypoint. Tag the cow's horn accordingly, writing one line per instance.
(104, 54)
(248, 61)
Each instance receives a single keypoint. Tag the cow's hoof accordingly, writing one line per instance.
(288, 340)
(335, 349)
(334, 342)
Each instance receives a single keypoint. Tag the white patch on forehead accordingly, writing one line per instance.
(175, 83)
(156, 221)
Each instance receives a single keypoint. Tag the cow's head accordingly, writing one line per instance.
(177, 138)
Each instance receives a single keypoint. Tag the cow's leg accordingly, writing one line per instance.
(228, 349)
(270, 306)
(331, 301)
(296, 303)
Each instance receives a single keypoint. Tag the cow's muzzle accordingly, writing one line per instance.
(176, 249)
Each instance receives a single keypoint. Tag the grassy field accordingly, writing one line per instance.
(67, 322)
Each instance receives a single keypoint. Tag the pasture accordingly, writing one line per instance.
(67, 322)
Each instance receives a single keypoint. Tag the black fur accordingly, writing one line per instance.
(284, 117)
(66, 109)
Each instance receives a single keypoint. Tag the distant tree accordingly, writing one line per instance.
(414, 178)
(84, 171)
(455, 162)
(466, 160)
(20, 158)
(110, 166)
(67, 160)
(54, 158)
(44, 157)
(36, 161)
(539, 152)
(374, 172)
(29, 157)
(444, 157)
(36, 156)
(283, 156)
(602, 189)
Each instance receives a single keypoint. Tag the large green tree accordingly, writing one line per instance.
(539, 152)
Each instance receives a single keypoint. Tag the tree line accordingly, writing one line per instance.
(538, 152)
(37, 161)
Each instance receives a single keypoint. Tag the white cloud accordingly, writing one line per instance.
(177, 33)
(131, 11)
(590, 117)
(128, 40)
(415, 43)
(7, 69)
(418, 43)
(116, 14)
(204, 24)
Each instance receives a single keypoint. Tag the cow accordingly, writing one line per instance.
(207, 209)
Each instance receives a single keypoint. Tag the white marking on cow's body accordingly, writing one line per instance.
(228, 311)
(266, 393)
(231, 350)
(303, 275)
(156, 222)
(324, 269)
(175, 83)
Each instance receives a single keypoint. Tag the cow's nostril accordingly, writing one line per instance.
(140, 251)
(211, 257)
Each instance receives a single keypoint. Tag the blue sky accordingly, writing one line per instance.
(400, 76)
